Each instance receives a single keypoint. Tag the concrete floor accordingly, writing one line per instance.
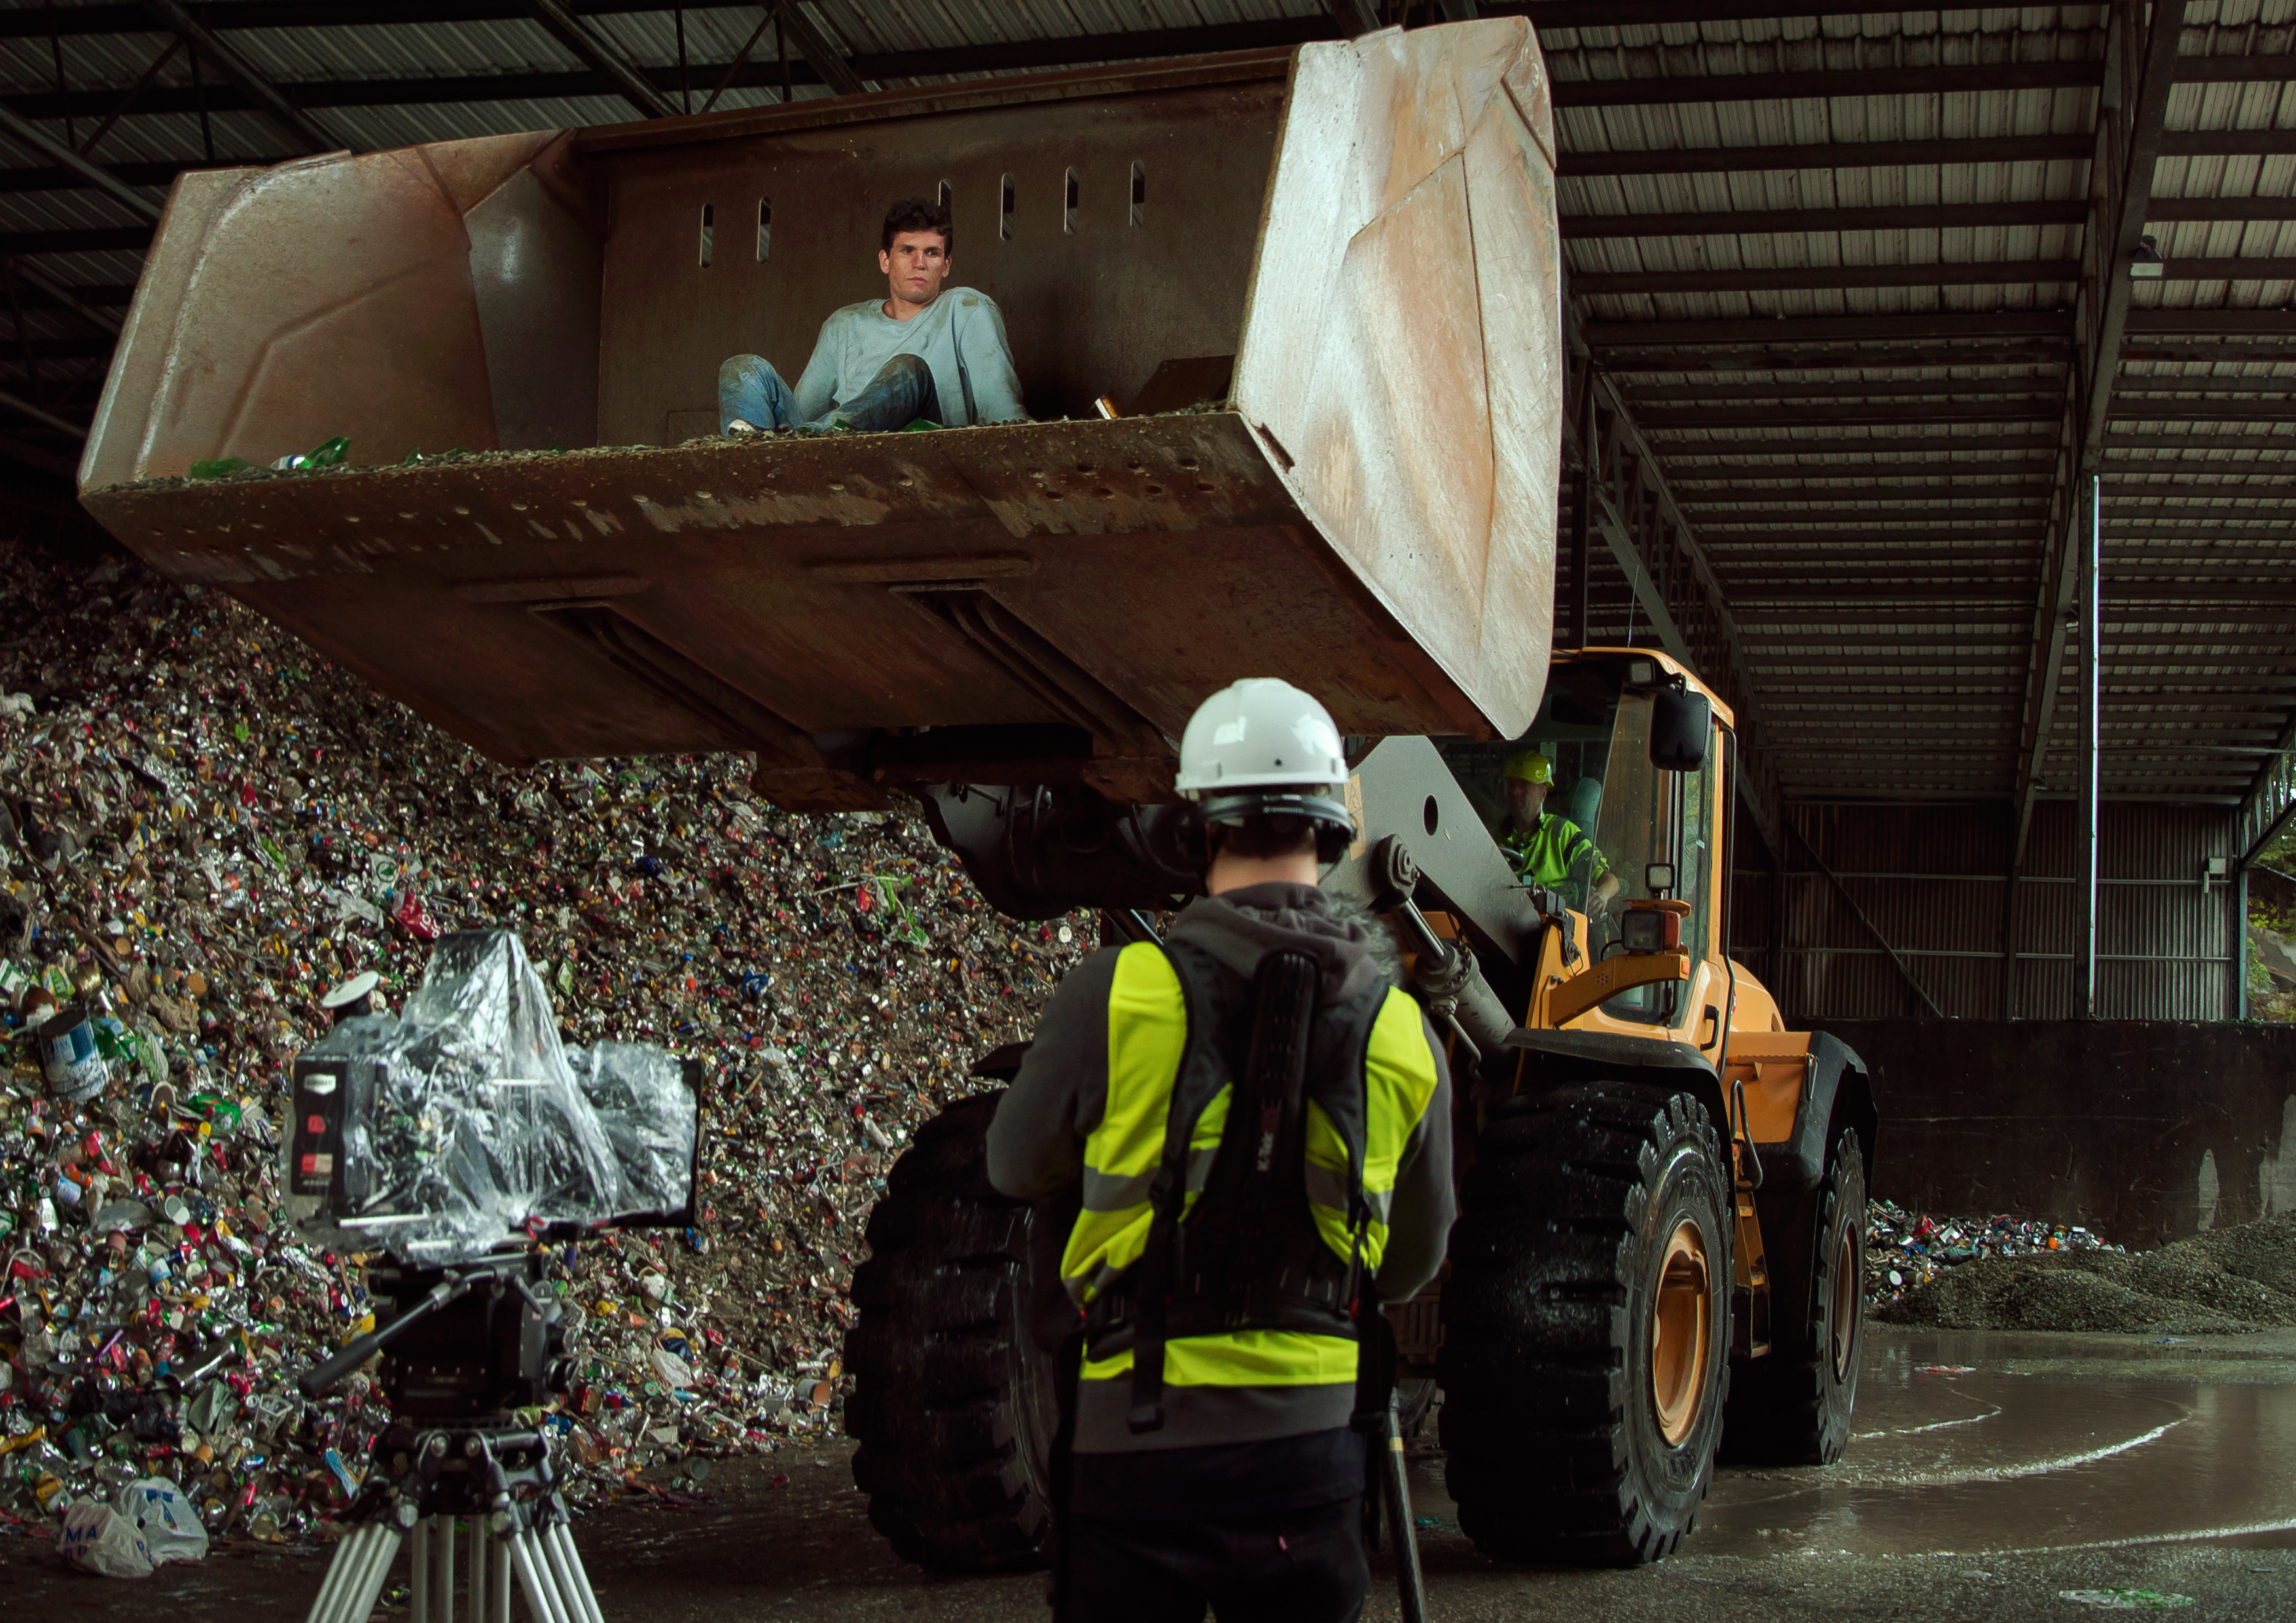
(1991, 1473)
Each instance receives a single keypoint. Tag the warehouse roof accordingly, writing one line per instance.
(1855, 287)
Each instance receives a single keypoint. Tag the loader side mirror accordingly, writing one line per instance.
(1681, 722)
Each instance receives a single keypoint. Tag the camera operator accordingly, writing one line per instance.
(1215, 1095)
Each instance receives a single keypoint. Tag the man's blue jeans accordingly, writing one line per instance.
(902, 391)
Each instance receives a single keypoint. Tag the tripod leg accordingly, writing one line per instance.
(534, 1577)
(418, 1572)
(339, 1568)
(356, 1578)
(442, 1570)
(480, 1542)
(573, 1583)
(498, 1577)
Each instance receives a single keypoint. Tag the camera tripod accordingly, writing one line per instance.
(468, 1346)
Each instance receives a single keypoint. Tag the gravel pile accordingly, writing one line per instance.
(2225, 1281)
(203, 828)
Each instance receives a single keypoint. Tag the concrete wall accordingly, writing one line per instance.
(2146, 1131)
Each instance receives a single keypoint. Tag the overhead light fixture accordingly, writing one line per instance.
(2145, 264)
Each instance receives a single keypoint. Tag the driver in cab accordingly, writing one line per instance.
(1546, 847)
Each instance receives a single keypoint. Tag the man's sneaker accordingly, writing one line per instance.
(738, 427)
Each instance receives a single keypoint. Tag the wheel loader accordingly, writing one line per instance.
(1290, 328)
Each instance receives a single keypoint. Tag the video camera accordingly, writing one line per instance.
(461, 1127)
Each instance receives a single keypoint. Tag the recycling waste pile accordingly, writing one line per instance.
(2220, 1281)
(1905, 1251)
(208, 834)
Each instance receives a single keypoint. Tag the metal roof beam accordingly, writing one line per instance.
(301, 128)
(1620, 13)
(1829, 155)
(1896, 216)
(73, 300)
(1010, 56)
(1976, 273)
(1730, 543)
(1915, 154)
(2228, 143)
(1825, 84)
(33, 138)
(1908, 445)
(82, 240)
(1902, 514)
(604, 55)
(827, 57)
(55, 177)
(2201, 383)
(1838, 563)
(2234, 70)
(1797, 277)
(1844, 415)
(2267, 485)
(2226, 324)
(2199, 442)
(1742, 358)
(1737, 470)
(2124, 409)
(2129, 134)
(1770, 332)
(2257, 269)
(2167, 210)
(1830, 389)
(1964, 489)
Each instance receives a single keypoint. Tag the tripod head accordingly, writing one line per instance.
(466, 1345)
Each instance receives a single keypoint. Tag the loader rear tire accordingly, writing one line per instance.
(954, 1405)
(1793, 1406)
(1587, 1325)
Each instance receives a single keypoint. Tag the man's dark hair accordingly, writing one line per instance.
(1265, 836)
(919, 214)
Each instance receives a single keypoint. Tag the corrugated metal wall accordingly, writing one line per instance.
(1932, 882)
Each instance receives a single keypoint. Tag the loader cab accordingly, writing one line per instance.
(1657, 830)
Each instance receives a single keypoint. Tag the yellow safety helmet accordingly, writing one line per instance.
(1530, 767)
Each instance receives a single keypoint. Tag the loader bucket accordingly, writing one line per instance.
(1323, 287)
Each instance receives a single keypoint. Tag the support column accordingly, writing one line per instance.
(2239, 888)
(2089, 537)
(1582, 518)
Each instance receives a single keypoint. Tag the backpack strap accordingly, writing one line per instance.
(1201, 1077)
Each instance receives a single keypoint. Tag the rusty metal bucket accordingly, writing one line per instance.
(1351, 250)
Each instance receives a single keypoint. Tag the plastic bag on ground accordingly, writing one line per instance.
(169, 1524)
(98, 1539)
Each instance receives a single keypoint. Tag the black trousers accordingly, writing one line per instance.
(1300, 1566)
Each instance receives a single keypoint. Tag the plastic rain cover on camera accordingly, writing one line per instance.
(640, 1095)
(477, 1128)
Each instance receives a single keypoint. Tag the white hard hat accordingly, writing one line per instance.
(1260, 733)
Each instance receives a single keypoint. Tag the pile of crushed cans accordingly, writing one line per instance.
(1904, 1249)
(211, 845)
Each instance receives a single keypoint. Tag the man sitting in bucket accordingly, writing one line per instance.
(923, 351)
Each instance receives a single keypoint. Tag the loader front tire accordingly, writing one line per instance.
(1587, 1325)
(1793, 1406)
(952, 1404)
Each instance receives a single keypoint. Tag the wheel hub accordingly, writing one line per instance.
(1681, 1326)
(1846, 1286)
